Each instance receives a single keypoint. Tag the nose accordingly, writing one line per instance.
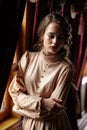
(54, 41)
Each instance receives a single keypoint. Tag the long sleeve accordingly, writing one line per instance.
(23, 102)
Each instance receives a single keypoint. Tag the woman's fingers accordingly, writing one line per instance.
(57, 100)
(59, 103)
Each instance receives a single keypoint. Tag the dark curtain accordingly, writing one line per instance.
(11, 13)
(79, 50)
(79, 31)
(35, 12)
(78, 19)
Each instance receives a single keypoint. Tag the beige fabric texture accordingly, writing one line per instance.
(38, 77)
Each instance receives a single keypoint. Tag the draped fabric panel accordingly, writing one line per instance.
(11, 13)
(79, 49)
(76, 13)
(40, 10)
(82, 60)
(25, 37)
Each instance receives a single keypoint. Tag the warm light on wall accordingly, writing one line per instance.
(85, 70)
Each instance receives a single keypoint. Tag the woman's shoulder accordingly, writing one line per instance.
(29, 54)
(26, 58)
(68, 64)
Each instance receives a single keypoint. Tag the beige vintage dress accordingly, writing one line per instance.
(38, 77)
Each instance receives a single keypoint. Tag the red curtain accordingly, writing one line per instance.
(79, 53)
(78, 19)
(35, 12)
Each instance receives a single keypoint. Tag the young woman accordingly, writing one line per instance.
(40, 88)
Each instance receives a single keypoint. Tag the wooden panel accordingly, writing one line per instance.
(12, 123)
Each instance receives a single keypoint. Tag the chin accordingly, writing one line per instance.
(52, 53)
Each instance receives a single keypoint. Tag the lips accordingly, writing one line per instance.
(53, 47)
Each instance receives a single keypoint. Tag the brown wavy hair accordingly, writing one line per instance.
(54, 17)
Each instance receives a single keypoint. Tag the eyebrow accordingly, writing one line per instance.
(50, 32)
(58, 35)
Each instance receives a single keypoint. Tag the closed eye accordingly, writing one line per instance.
(51, 36)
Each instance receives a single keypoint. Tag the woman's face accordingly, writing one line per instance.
(53, 39)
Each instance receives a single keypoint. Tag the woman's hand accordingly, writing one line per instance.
(52, 105)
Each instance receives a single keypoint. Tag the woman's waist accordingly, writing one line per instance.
(43, 115)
